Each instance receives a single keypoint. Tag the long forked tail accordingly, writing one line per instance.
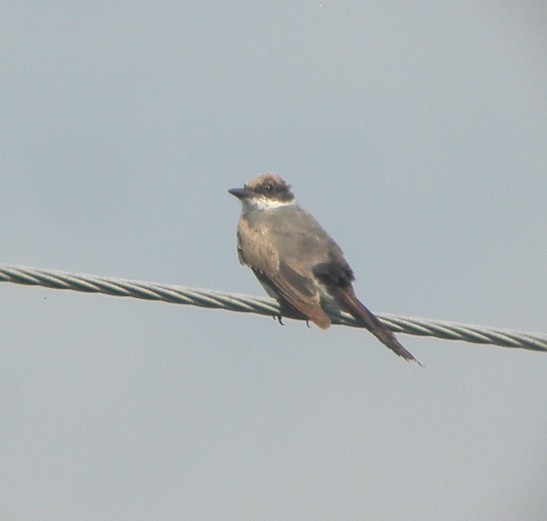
(369, 320)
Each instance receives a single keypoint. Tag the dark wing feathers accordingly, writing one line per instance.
(297, 289)
(302, 242)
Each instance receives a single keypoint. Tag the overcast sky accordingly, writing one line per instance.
(415, 132)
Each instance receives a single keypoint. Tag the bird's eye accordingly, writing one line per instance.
(268, 188)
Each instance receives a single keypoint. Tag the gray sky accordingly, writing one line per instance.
(414, 131)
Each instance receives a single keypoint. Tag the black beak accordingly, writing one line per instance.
(240, 193)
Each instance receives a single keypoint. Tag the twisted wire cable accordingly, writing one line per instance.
(245, 304)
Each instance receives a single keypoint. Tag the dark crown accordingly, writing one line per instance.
(271, 186)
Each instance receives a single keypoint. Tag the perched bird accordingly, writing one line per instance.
(296, 261)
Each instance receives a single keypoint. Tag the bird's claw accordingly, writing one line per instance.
(279, 318)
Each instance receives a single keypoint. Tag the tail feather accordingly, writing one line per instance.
(359, 311)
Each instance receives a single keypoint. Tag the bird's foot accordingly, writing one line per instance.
(279, 318)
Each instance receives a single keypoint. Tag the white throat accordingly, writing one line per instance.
(263, 203)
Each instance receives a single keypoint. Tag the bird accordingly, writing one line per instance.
(296, 260)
